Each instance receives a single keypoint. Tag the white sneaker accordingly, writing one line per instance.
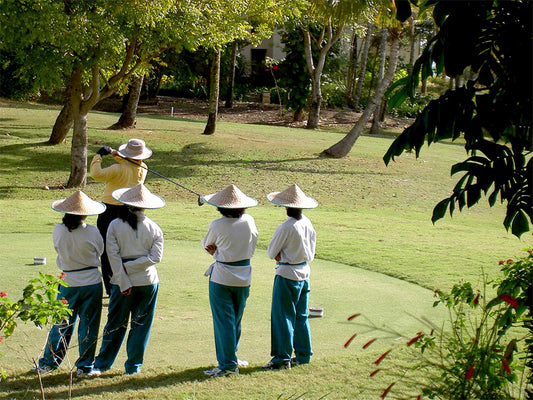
(216, 372)
(242, 363)
(93, 373)
(44, 370)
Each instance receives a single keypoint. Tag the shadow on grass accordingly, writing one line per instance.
(26, 385)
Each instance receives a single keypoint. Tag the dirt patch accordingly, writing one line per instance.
(246, 113)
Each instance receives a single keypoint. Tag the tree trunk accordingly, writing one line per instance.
(343, 147)
(352, 72)
(314, 105)
(362, 66)
(382, 58)
(65, 119)
(231, 79)
(78, 152)
(412, 48)
(62, 126)
(128, 117)
(324, 45)
(213, 94)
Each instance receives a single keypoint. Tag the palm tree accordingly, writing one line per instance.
(343, 147)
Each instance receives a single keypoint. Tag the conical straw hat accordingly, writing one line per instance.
(135, 149)
(138, 196)
(292, 197)
(79, 204)
(230, 197)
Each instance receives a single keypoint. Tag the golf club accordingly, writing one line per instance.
(201, 201)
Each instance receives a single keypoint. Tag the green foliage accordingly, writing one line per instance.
(294, 75)
(333, 92)
(492, 112)
(475, 358)
(38, 305)
(478, 353)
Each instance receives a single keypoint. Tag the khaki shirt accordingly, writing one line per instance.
(117, 176)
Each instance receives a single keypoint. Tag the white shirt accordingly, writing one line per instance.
(76, 250)
(144, 246)
(295, 241)
(235, 239)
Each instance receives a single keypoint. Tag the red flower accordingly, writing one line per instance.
(369, 343)
(506, 366)
(470, 372)
(501, 262)
(382, 357)
(415, 339)
(350, 340)
(275, 68)
(64, 301)
(509, 261)
(353, 316)
(476, 299)
(509, 299)
(62, 275)
(375, 372)
(386, 391)
(3, 294)
(418, 397)
(1, 339)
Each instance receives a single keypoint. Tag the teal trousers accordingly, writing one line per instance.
(289, 321)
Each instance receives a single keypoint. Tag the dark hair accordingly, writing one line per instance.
(296, 213)
(231, 212)
(72, 221)
(127, 214)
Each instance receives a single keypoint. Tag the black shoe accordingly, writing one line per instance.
(275, 366)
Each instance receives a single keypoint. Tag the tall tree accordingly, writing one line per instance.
(393, 19)
(231, 77)
(381, 71)
(225, 22)
(128, 118)
(362, 65)
(491, 113)
(214, 88)
(343, 147)
(351, 73)
(96, 47)
(328, 18)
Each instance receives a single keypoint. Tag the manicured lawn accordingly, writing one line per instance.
(377, 254)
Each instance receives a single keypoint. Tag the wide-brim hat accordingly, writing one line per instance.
(292, 197)
(135, 149)
(230, 197)
(138, 196)
(79, 204)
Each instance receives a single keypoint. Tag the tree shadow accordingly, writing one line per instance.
(26, 385)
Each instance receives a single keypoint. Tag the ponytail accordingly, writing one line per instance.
(127, 214)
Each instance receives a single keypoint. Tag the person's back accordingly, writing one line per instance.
(235, 238)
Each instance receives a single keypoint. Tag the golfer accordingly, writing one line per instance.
(293, 248)
(231, 241)
(134, 247)
(79, 247)
(127, 172)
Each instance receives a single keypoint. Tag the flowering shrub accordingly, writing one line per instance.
(475, 355)
(39, 304)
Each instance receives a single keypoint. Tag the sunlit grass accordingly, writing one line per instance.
(371, 217)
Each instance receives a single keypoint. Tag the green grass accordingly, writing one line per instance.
(372, 217)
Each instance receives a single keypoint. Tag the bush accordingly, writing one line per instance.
(475, 355)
